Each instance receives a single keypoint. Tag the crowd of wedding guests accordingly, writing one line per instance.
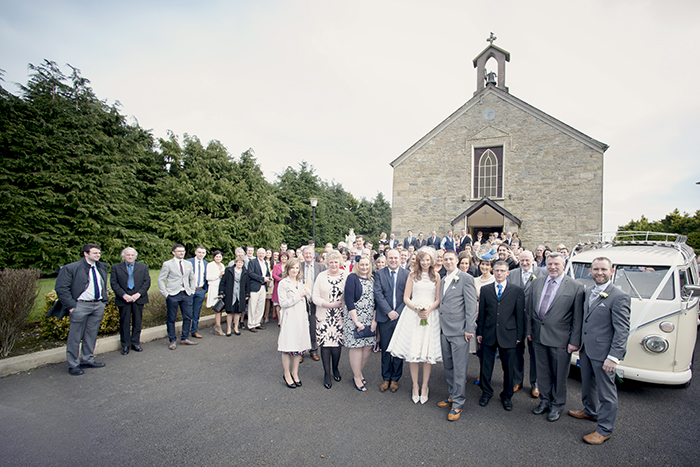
(419, 300)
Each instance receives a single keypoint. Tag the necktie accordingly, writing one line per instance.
(545, 299)
(199, 270)
(130, 280)
(500, 290)
(526, 276)
(182, 271)
(393, 288)
(96, 283)
(595, 293)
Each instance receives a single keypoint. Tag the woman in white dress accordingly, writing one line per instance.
(215, 271)
(414, 342)
(294, 338)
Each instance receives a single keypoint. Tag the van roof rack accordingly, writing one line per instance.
(643, 238)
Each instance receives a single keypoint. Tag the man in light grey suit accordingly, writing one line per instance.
(458, 310)
(554, 325)
(606, 326)
(523, 277)
(311, 269)
(176, 283)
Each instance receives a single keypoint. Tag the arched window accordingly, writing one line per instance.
(488, 172)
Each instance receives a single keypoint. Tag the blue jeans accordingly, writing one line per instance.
(185, 303)
(197, 301)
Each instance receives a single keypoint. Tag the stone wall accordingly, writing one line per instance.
(552, 182)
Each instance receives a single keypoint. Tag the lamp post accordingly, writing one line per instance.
(314, 202)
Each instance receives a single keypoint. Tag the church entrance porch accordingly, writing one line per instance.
(486, 216)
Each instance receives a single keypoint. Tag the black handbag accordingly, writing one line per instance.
(218, 306)
(366, 332)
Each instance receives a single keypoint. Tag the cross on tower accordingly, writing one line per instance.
(491, 38)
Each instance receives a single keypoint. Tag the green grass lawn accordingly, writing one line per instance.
(47, 285)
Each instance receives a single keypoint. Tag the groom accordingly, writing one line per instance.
(458, 310)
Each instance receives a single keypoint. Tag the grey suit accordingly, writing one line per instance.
(318, 268)
(177, 286)
(606, 325)
(458, 310)
(552, 334)
(516, 277)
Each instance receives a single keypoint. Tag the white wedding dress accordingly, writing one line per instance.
(411, 341)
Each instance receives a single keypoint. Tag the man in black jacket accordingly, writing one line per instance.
(130, 281)
(82, 289)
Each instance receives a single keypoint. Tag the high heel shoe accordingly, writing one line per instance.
(415, 398)
(327, 382)
(359, 388)
(298, 383)
(337, 378)
(290, 386)
(424, 398)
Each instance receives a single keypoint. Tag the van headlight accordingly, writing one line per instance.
(655, 344)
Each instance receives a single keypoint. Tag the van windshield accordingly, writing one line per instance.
(638, 281)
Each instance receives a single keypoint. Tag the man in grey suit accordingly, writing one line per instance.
(176, 283)
(554, 325)
(606, 326)
(311, 270)
(523, 277)
(458, 310)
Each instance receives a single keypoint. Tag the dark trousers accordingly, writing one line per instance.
(184, 301)
(392, 367)
(312, 327)
(130, 314)
(552, 371)
(519, 367)
(197, 301)
(508, 356)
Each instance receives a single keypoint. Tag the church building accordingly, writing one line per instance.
(500, 164)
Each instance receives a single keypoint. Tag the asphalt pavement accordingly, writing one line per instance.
(224, 402)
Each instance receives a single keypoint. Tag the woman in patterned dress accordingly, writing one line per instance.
(328, 298)
(360, 313)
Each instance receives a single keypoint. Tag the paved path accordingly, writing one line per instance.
(224, 402)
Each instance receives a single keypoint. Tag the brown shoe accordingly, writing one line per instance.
(445, 403)
(582, 415)
(384, 386)
(394, 386)
(187, 342)
(454, 414)
(595, 438)
(517, 388)
(535, 393)
(315, 357)
(301, 359)
(197, 335)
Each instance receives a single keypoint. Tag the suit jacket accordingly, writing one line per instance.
(420, 243)
(606, 324)
(435, 242)
(458, 306)
(204, 284)
(226, 289)
(516, 277)
(393, 243)
(257, 278)
(409, 241)
(383, 292)
(464, 241)
(73, 279)
(318, 269)
(170, 279)
(119, 280)
(501, 322)
(562, 322)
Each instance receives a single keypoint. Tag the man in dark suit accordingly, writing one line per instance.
(259, 275)
(81, 288)
(434, 240)
(311, 270)
(199, 266)
(606, 326)
(523, 277)
(393, 242)
(458, 310)
(500, 326)
(130, 281)
(554, 324)
(420, 241)
(464, 240)
(389, 288)
(409, 240)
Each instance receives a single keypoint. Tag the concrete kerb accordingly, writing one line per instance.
(28, 362)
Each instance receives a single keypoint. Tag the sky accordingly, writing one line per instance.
(349, 86)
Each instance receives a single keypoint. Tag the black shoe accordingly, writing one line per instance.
(553, 415)
(507, 404)
(327, 385)
(136, 347)
(298, 383)
(261, 327)
(91, 365)
(484, 401)
(290, 386)
(77, 371)
(540, 409)
(125, 350)
(252, 330)
(337, 378)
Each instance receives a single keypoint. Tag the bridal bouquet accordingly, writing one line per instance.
(421, 306)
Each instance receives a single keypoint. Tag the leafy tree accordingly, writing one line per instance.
(673, 223)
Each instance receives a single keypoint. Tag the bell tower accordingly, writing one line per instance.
(485, 77)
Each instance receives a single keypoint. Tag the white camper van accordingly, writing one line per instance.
(660, 273)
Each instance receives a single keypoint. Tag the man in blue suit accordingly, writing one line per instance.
(199, 265)
(388, 297)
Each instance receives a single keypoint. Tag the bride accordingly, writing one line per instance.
(417, 335)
